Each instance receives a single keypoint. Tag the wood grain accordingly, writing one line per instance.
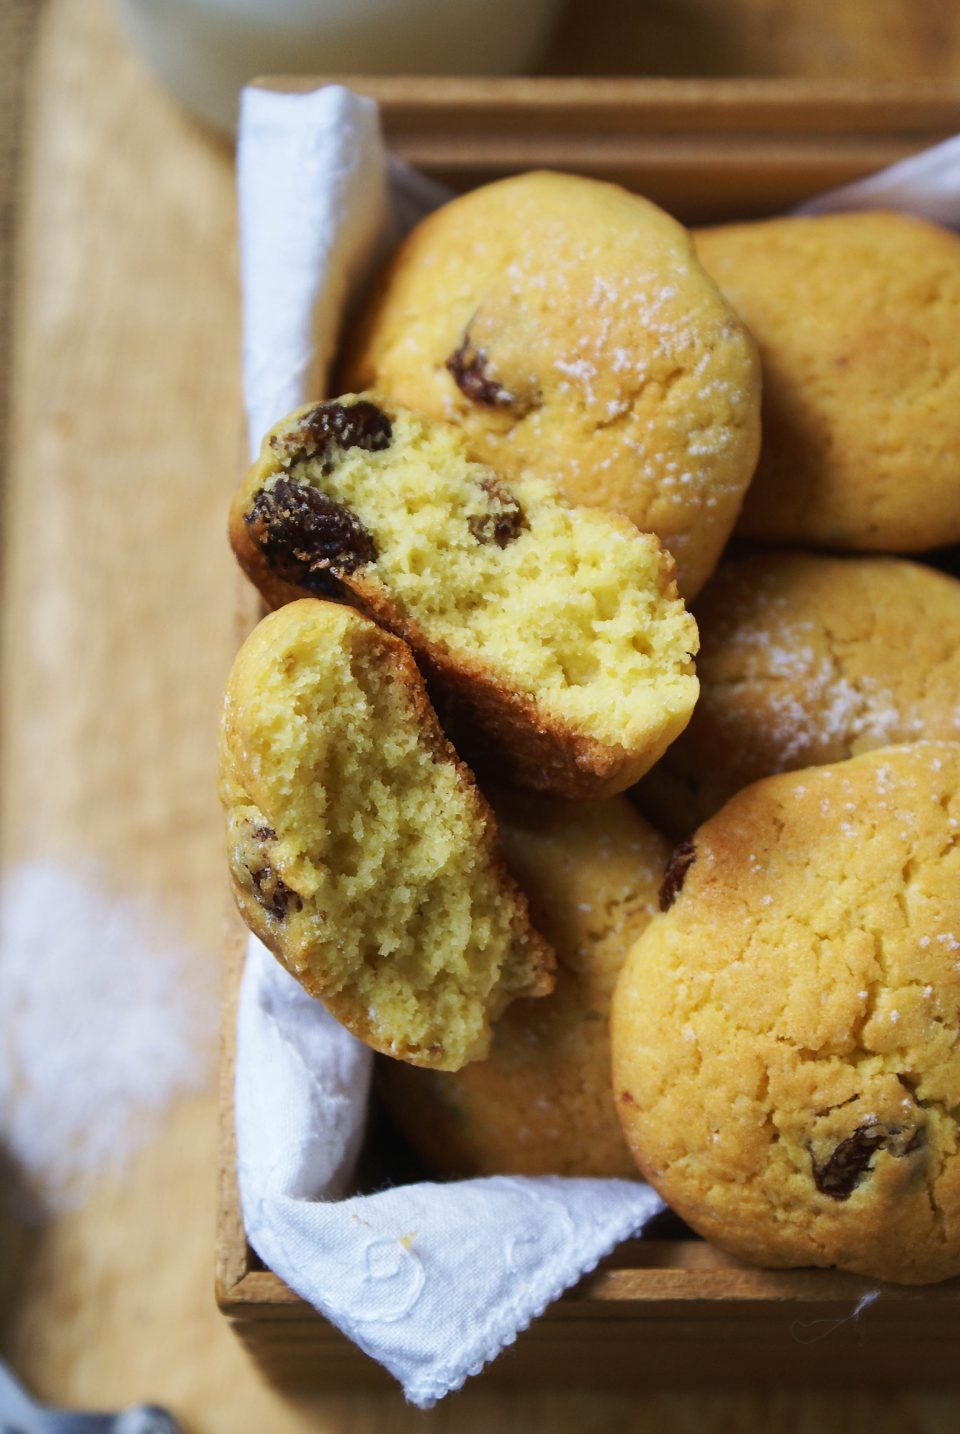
(117, 620)
(707, 151)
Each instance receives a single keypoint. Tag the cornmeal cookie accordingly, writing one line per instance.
(785, 1035)
(569, 329)
(360, 849)
(554, 634)
(858, 321)
(807, 660)
(541, 1103)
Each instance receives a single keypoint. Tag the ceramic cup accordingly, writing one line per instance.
(206, 50)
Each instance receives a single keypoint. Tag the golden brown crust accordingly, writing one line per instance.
(266, 844)
(857, 317)
(785, 1035)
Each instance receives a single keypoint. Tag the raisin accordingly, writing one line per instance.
(676, 874)
(264, 833)
(308, 539)
(329, 427)
(468, 367)
(840, 1174)
(506, 519)
(273, 894)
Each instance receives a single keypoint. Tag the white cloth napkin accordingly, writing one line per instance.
(432, 1280)
(927, 184)
(312, 190)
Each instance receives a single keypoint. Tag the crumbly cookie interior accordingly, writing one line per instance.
(542, 1103)
(577, 608)
(381, 892)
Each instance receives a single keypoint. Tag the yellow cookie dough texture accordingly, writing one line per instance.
(807, 660)
(361, 852)
(554, 634)
(569, 329)
(541, 1103)
(857, 317)
(785, 1035)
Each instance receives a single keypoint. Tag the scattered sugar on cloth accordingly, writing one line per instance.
(106, 1014)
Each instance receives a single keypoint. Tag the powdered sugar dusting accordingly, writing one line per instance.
(105, 1015)
(810, 707)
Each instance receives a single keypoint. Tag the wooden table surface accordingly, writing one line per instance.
(118, 630)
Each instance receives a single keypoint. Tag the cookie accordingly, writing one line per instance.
(361, 852)
(569, 329)
(553, 634)
(785, 1034)
(541, 1103)
(807, 660)
(857, 317)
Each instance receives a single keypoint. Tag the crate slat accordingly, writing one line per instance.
(706, 150)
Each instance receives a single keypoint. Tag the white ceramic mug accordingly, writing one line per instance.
(206, 50)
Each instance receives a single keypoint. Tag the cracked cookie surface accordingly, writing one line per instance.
(806, 660)
(569, 329)
(785, 1037)
(542, 1102)
(857, 317)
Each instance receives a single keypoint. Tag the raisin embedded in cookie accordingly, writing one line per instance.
(542, 1103)
(806, 660)
(785, 1035)
(568, 328)
(857, 317)
(360, 849)
(554, 635)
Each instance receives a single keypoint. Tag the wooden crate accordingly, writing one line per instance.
(706, 150)
(656, 1313)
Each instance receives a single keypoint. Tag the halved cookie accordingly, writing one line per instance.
(361, 852)
(554, 634)
(542, 1101)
